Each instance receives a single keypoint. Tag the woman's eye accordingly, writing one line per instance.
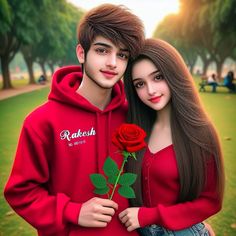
(123, 56)
(138, 85)
(158, 77)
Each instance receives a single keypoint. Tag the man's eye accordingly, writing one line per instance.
(101, 50)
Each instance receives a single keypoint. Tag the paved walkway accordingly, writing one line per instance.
(4, 94)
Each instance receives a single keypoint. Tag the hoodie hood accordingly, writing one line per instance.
(65, 83)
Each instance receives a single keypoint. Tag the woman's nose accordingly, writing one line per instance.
(150, 89)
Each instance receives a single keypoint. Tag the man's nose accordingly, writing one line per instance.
(112, 60)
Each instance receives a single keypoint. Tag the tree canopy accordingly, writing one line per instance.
(204, 28)
(45, 33)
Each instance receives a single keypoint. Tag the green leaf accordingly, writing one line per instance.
(110, 167)
(126, 191)
(133, 155)
(101, 191)
(126, 154)
(127, 179)
(98, 180)
(112, 179)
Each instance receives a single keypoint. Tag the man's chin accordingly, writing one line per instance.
(108, 85)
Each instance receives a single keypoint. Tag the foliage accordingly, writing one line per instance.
(223, 16)
(45, 32)
(5, 16)
(170, 30)
(113, 177)
(203, 27)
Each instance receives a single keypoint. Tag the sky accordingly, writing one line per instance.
(151, 12)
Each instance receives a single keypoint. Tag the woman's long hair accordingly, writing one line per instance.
(194, 137)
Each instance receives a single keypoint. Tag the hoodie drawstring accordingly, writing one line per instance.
(97, 143)
(109, 134)
(107, 140)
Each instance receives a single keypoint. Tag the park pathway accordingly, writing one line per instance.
(4, 94)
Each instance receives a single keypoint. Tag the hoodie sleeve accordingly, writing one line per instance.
(186, 214)
(26, 189)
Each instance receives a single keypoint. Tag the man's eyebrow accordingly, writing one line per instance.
(102, 44)
(109, 46)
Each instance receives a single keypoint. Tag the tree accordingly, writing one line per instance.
(210, 25)
(170, 30)
(59, 33)
(16, 28)
(74, 16)
(43, 33)
(223, 17)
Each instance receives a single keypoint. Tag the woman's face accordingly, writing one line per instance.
(150, 85)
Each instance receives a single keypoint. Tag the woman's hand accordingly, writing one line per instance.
(129, 217)
(209, 228)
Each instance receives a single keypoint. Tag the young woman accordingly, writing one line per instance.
(181, 172)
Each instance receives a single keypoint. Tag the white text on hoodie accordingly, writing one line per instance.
(66, 134)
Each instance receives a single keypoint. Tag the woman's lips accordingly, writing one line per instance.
(155, 99)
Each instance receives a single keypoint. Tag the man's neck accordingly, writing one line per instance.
(99, 97)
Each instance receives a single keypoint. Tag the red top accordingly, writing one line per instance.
(160, 193)
(62, 142)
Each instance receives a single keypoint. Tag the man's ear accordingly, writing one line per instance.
(80, 53)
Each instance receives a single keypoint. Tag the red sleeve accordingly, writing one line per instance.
(25, 190)
(184, 215)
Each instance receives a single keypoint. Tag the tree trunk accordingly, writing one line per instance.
(42, 65)
(5, 72)
(191, 60)
(205, 66)
(51, 68)
(27, 55)
(191, 69)
(29, 64)
(219, 68)
(191, 64)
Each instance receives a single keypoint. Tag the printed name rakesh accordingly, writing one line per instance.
(66, 134)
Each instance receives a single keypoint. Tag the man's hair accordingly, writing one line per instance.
(114, 22)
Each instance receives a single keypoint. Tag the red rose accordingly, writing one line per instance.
(129, 137)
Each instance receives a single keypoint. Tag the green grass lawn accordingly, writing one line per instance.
(221, 107)
(13, 111)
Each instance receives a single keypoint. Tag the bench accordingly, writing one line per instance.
(204, 84)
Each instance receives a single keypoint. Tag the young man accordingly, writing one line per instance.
(69, 137)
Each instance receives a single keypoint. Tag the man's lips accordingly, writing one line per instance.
(155, 99)
(108, 73)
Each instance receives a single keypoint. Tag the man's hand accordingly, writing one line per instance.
(129, 218)
(97, 212)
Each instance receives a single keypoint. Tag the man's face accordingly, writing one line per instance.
(105, 63)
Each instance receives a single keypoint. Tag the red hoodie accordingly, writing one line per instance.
(62, 142)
